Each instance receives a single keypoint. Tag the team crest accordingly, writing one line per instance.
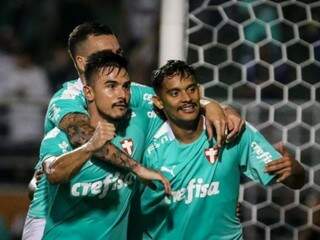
(127, 146)
(211, 154)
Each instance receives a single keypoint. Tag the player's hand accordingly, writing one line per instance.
(37, 175)
(215, 117)
(104, 132)
(235, 123)
(238, 210)
(147, 175)
(283, 167)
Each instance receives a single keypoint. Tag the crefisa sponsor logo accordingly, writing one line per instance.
(196, 189)
(112, 182)
(265, 156)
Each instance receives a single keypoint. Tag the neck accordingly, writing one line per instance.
(81, 76)
(187, 132)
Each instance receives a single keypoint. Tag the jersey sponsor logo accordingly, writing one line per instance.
(112, 182)
(151, 114)
(133, 114)
(168, 169)
(157, 143)
(196, 189)
(211, 154)
(265, 156)
(127, 146)
(63, 146)
(148, 97)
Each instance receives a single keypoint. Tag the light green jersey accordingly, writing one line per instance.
(205, 194)
(70, 99)
(95, 203)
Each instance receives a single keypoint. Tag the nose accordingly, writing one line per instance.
(122, 93)
(185, 97)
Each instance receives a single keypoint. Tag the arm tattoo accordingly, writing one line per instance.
(78, 128)
(119, 158)
(79, 131)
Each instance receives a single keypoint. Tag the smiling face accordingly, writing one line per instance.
(179, 99)
(110, 91)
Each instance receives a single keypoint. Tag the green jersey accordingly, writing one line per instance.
(204, 190)
(95, 203)
(70, 99)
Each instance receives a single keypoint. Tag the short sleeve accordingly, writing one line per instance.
(255, 152)
(55, 143)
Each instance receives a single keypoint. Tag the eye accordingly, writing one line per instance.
(127, 86)
(110, 85)
(120, 52)
(192, 89)
(174, 93)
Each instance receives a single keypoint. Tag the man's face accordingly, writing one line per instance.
(179, 98)
(111, 92)
(94, 44)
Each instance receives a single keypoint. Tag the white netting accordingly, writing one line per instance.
(263, 58)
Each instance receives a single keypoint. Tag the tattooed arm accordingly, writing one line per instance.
(80, 132)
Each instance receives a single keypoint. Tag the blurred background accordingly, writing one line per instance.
(262, 57)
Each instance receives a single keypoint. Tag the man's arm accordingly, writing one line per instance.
(33, 183)
(288, 170)
(225, 120)
(80, 132)
(62, 168)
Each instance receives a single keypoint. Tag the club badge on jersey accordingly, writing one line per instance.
(127, 146)
(211, 154)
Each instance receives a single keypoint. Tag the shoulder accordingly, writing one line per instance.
(69, 90)
(55, 138)
(161, 139)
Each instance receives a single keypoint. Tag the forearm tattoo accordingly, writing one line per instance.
(79, 131)
(78, 128)
(119, 158)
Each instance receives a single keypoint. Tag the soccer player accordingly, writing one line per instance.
(95, 203)
(68, 111)
(204, 189)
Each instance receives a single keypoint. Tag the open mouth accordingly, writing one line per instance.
(188, 108)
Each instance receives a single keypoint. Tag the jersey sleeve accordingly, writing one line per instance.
(141, 96)
(255, 152)
(54, 144)
(66, 100)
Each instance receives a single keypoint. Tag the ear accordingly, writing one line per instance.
(88, 93)
(81, 62)
(157, 102)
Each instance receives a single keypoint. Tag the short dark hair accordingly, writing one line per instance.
(169, 70)
(103, 59)
(83, 31)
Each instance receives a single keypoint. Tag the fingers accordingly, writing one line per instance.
(166, 184)
(283, 177)
(38, 174)
(220, 127)
(277, 165)
(235, 125)
(280, 147)
(209, 129)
